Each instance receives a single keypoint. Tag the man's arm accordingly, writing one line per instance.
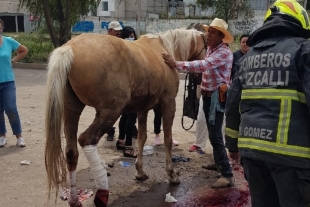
(214, 60)
(232, 114)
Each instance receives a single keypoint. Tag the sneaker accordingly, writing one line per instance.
(157, 140)
(2, 141)
(212, 167)
(222, 182)
(194, 148)
(20, 142)
(175, 143)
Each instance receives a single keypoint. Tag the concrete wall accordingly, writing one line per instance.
(236, 26)
(247, 25)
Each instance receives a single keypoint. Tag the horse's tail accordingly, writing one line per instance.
(59, 66)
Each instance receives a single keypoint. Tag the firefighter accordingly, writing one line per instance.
(268, 109)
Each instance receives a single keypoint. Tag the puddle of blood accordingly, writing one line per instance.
(236, 196)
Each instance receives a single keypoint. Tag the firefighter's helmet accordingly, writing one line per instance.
(291, 8)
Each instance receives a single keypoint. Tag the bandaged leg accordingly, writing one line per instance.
(100, 174)
(73, 199)
(97, 166)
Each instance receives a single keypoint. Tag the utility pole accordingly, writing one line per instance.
(138, 18)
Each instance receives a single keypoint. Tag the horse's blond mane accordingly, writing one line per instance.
(181, 38)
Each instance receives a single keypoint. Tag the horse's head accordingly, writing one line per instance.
(185, 44)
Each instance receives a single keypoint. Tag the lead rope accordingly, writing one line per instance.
(184, 97)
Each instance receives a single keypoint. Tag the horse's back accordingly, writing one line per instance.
(119, 70)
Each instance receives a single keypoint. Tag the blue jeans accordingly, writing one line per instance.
(216, 139)
(8, 105)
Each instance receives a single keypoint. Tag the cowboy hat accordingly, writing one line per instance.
(222, 26)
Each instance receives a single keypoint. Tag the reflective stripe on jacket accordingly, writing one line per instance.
(267, 109)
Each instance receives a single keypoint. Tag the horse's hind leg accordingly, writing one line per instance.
(168, 112)
(72, 111)
(142, 117)
(104, 120)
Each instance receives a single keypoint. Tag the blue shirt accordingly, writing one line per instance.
(6, 71)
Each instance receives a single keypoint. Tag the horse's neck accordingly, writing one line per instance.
(154, 43)
(177, 55)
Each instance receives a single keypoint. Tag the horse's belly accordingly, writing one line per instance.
(141, 104)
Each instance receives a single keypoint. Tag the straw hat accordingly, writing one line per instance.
(222, 26)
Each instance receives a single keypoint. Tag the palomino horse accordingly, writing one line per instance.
(113, 76)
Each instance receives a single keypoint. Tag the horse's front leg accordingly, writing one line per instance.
(142, 118)
(88, 140)
(168, 112)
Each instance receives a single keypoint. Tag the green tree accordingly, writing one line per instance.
(227, 9)
(59, 15)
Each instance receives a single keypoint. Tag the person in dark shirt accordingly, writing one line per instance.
(244, 48)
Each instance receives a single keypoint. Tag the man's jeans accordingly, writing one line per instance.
(216, 139)
(8, 105)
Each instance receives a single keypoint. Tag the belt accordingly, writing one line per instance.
(206, 93)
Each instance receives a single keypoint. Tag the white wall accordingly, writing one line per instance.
(247, 25)
(236, 26)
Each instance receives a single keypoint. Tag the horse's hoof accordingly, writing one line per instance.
(77, 204)
(142, 176)
(174, 180)
(101, 198)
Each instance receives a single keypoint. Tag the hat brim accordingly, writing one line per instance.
(117, 28)
(228, 38)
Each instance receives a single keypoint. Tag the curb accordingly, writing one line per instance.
(35, 66)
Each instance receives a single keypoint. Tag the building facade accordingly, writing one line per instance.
(16, 19)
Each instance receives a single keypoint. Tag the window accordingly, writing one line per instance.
(105, 6)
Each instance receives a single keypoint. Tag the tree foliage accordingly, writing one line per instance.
(227, 9)
(59, 15)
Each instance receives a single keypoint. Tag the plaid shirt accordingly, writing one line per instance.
(215, 68)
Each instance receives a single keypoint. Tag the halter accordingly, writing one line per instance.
(204, 47)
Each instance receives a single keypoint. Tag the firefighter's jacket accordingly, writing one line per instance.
(268, 103)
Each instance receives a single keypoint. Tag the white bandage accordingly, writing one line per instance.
(97, 167)
(73, 192)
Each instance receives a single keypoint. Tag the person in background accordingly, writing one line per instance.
(216, 69)
(114, 28)
(244, 48)
(7, 87)
(201, 130)
(268, 109)
(128, 120)
(201, 125)
(128, 33)
(157, 125)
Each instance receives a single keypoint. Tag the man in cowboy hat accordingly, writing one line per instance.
(215, 69)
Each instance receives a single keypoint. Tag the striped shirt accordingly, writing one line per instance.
(215, 68)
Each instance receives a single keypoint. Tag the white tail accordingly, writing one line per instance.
(58, 67)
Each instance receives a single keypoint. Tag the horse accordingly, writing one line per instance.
(114, 76)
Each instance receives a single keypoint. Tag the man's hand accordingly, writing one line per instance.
(235, 157)
(169, 60)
